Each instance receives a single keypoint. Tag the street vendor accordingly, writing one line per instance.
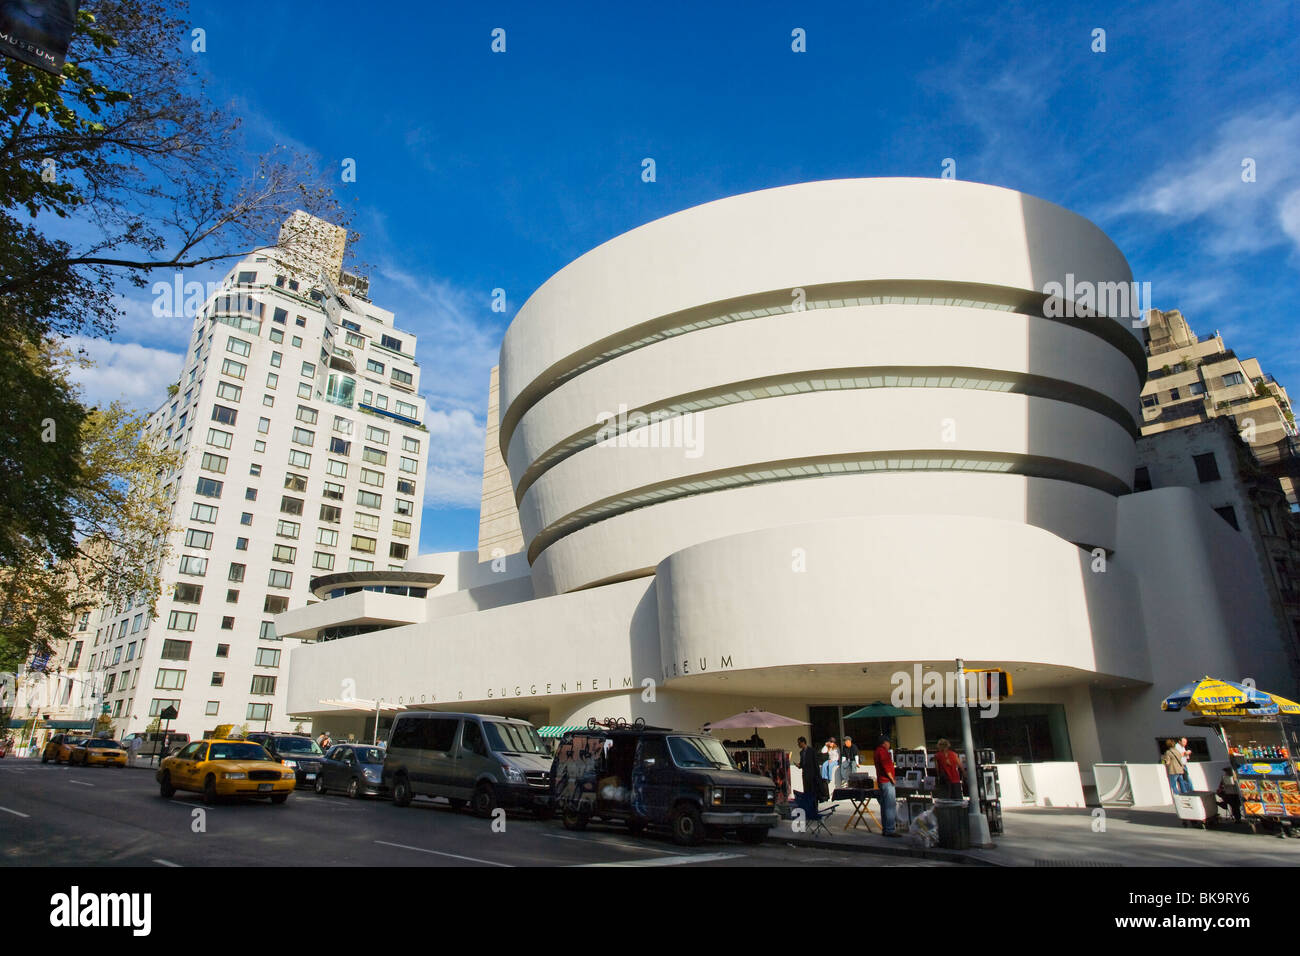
(1227, 796)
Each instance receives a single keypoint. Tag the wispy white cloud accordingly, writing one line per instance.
(1207, 185)
(134, 374)
(454, 476)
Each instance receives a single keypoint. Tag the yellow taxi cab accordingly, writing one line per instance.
(59, 748)
(226, 768)
(98, 752)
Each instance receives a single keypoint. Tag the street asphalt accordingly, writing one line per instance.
(100, 816)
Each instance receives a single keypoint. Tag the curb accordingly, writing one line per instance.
(946, 856)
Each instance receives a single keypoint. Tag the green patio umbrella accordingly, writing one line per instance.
(882, 712)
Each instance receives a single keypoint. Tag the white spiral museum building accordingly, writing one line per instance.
(777, 449)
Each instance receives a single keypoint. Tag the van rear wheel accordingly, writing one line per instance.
(573, 820)
(402, 792)
(688, 828)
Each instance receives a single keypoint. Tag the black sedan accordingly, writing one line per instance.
(355, 769)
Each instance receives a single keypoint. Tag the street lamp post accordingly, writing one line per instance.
(979, 824)
(378, 704)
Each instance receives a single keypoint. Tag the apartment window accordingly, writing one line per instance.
(299, 459)
(371, 477)
(356, 341)
(169, 680)
(193, 564)
(76, 655)
(185, 593)
(260, 712)
(268, 401)
(374, 455)
(304, 436)
(308, 369)
(368, 499)
(232, 596)
(373, 366)
(411, 444)
(1207, 469)
(208, 488)
(233, 369)
(241, 544)
(174, 650)
(136, 623)
(224, 415)
(283, 553)
(130, 652)
(339, 469)
(304, 390)
(405, 486)
(1173, 395)
(1228, 514)
(108, 684)
(157, 706)
(223, 650)
(211, 462)
(290, 505)
(259, 446)
(203, 514)
(195, 538)
(239, 346)
(1233, 378)
(297, 343)
(331, 490)
(275, 359)
(306, 415)
(236, 573)
(409, 465)
(365, 522)
(360, 564)
(388, 342)
(267, 657)
(331, 513)
(246, 278)
(403, 507)
(340, 447)
(263, 425)
(342, 425)
(406, 409)
(218, 438)
(272, 381)
(277, 337)
(218, 678)
(1142, 480)
(363, 544)
(322, 561)
(402, 378)
(255, 470)
(182, 621)
(279, 579)
(1195, 388)
(287, 529)
(275, 604)
(279, 315)
(1266, 521)
(299, 321)
(212, 709)
(246, 518)
(401, 529)
(377, 435)
(398, 551)
(267, 631)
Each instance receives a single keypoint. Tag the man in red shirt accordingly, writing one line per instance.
(888, 799)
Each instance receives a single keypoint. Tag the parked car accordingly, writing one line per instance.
(485, 761)
(225, 768)
(356, 769)
(98, 751)
(297, 751)
(59, 748)
(650, 776)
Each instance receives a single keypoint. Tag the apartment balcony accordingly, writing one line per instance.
(342, 359)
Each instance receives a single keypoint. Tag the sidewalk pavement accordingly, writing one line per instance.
(1044, 836)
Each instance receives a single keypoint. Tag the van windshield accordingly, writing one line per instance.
(514, 739)
(297, 745)
(699, 752)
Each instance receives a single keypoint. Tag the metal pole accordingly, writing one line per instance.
(979, 825)
(377, 703)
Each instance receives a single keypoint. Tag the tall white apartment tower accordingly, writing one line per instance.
(298, 416)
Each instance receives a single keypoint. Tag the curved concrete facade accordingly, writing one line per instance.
(864, 327)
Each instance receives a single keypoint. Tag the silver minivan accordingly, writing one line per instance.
(475, 759)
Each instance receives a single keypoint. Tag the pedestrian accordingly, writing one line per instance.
(849, 758)
(830, 769)
(324, 741)
(133, 749)
(1174, 767)
(1227, 796)
(947, 767)
(809, 764)
(1186, 754)
(884, 762)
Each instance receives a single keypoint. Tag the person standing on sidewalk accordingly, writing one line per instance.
(809, 765)
(1174, 767)
(948, 767)
(884, 762)
(132, 750)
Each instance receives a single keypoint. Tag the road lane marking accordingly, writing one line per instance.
(593, 840)
(81, 783)
(671, 860)
(167, 863)
(25, 816)
(454, 856)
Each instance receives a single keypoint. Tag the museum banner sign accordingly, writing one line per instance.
(37, 32)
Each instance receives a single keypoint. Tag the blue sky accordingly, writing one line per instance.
(478, 170)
